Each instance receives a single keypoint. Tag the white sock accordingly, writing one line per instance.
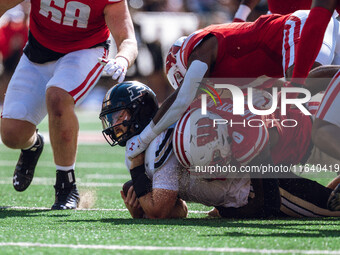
(65, 168)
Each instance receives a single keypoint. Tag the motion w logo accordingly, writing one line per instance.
(211, 94)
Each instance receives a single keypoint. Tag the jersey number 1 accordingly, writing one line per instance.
(76, 13)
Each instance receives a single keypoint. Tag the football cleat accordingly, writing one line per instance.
(66, 192)
(66, 198)
(333, 203)
(24, 170)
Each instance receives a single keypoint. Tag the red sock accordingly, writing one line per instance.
(310, 43)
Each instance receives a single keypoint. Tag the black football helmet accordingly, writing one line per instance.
(127, 109)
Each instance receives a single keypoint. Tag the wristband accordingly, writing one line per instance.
(141, 183)
(125, 60)
(147, 135)
(242, 12)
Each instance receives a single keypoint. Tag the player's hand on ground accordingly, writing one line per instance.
(132, 204)
(115, 67)
(135, 146)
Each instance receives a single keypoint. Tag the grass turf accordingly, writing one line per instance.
(100, 174)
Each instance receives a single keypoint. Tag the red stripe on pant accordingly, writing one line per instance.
(81, 86)
(91, 84)
(74, 92)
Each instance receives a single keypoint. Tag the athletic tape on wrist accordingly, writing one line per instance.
(128, 62)
(242, 12)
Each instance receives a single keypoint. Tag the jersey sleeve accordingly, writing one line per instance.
(166, 177)
(127, 163)
(248, 142)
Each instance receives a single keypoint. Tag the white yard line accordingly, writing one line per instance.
(45, 181)
(159, 248)
(84, 137)
(83, 209)
(97, 165)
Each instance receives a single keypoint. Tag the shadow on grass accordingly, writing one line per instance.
(7, 212)
(218, 222)
(281, 227)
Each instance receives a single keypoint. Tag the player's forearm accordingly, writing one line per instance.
(250, 3)
(119, 22)
(150, 208)
(128, 50)
(8, 4)
(159, 203)
(244, 9)
(136, 213)
(186, 94)
(180, 210)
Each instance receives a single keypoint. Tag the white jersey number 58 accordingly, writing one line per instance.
(74, 11)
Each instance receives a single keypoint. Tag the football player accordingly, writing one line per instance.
(312, 38)
(170, 155)
(124, 108)
(274, 6)
(57, 71)
(241, 52)
(326, 127)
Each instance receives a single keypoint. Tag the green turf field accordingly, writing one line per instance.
(103, 226)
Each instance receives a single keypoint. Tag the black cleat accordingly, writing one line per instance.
(24, 170)
(333, 203)
(66, 198)
(66, 192)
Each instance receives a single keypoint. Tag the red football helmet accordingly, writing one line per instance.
(174, 67)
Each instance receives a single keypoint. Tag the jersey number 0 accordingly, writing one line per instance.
(73, 14)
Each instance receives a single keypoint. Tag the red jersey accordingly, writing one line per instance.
(13, 37)
(247, 142)
(288, 6)
(249, 133)
(65, 26)
(245, 50)
(293, 142)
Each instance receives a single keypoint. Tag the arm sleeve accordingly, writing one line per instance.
(186, 95)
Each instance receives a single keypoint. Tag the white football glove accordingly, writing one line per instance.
(139, 143)
(135, 146)
(115, 67)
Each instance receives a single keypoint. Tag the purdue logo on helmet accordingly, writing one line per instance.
(174, 67)
(126, 110)
(196, 142)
